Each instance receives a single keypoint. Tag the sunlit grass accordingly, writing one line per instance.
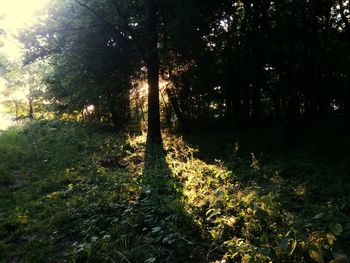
(251, 213)
(90, 196)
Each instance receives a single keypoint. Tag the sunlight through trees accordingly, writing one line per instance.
(174, 131)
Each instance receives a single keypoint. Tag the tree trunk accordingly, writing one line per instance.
(260, 25)
(178, 112)
(228, 105)
(115, 118)
(31, 112)
(256, 102)
(152, 65)
(347, 106)
(347, 95)
(17, 111)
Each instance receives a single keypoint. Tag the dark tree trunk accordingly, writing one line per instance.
(115, 118)
(17, 111)
(258, 78)
(256, 102)
(260, 24)
(232, 93)
(178, 112)
(152, 65)
(31, 111)
(245, 109)
(322, 93)
(347, 106)
(124, 108)
(236, 108)
(127, 110)
(119, 107)
(97, 112)
(347, 95)
(228, 106)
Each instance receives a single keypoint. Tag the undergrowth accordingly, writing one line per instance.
(71, 193)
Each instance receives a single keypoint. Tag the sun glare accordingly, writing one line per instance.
(15, 15)
(5, 120)
(20, 7)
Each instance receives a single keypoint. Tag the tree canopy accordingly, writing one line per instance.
(237, 61)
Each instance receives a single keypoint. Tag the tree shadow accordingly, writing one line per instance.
(166, 226)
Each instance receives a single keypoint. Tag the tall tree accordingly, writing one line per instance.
(345, 16)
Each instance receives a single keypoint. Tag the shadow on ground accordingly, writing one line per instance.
(304, 188)
(163, 218)
(86, 196)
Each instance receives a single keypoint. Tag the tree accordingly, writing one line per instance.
(344, 11)
(244, 61)
(123, 24)
(92, 63)
(24, 90)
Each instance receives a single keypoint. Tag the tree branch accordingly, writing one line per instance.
(114, 27)
(75, 28)
(101, 18)
(130, 29)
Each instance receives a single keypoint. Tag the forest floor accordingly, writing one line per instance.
(73, 193)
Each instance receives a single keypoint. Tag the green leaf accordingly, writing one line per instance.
(215, 233)
(340, 258)
(219, 192)
(156, 229)
(331, 238)
(292, 245)
(287, 245)
(336, 228)
(264, 238)
(231, 221)
(150, 260)
(212, 212)
(316, 253)
(318, 216)
(283, 243)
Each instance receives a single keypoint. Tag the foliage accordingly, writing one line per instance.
(24, 91)
(91, 63)
(242, 61)
(253, 214)
(78, 194)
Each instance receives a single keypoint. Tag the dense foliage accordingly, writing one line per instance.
(237, 61)
(77, 194)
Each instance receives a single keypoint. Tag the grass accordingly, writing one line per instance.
(72, 193)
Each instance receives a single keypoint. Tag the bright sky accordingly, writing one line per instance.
(15, 15)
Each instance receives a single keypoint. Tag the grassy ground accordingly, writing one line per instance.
(72, 193)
